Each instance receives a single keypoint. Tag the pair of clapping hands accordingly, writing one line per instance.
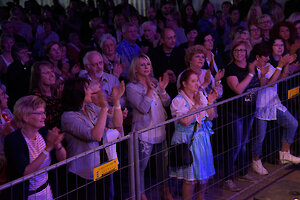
(285, 61)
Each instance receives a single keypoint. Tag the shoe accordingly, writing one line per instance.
(259, 168)
(231, 186)
(247, 178)
(287, 157)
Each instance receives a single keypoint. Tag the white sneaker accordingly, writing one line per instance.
(286, 157)
(259, 168)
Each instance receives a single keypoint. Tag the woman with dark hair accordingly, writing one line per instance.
(194, 130)
(269, 107)
(27, 149)
(287, 31)
(84, 122)
(191, 35)
(240, 77)
(43, 85)
(189, 16)
(17, 78)
(148, 97)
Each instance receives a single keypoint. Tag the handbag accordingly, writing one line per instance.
(180, 154)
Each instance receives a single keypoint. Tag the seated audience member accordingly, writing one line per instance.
(27, 150)
(7, 41)
(265, 24)
(119, 21)
(168, 57)
(191, 35)
(17, 78)
(112, 60)
(7, 27)
(147, 98)
(173, 21)
(240, 76)
(128, 47)
(84, 122)
(43, 84)
(7, 125)
(195, 59)
(74, 47)
(194, 130)
(269, 108)
(94, 72)
(150, 38)
(287, 31)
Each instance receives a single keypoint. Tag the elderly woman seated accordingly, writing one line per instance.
(27, 150)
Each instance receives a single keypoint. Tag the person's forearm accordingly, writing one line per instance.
(36, 164)
(240, 88)
(117, 116)
(98, 130)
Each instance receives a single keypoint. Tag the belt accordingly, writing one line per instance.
(38, 189)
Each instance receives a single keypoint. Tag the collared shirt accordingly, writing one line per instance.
(128, 51)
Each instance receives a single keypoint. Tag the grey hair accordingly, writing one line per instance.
(105, 37)
(88, 54)
(126, 25)
(149, 23)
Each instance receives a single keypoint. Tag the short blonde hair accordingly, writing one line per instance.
(133, 66)
(192, 51)
(26, 105)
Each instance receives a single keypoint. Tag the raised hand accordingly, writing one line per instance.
(212, 96)
(118, 69)
(220, 74)
(163, 83)
(54, 138)
(252, 67)
(116, 93)
(264, 70)
(149, 83)
(100, 99)
(75, 69)
(207, 78)
(197, 99)
(172, 76)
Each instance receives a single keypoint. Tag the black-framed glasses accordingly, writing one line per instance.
(100, 63)
(239, 50)
(38, 113)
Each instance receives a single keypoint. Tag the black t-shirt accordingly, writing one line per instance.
(239, 106)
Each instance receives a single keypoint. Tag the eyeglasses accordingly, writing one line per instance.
(38, 113)
(209, 40)
(278, 45)
(100, 63)
(239, 50)
(266, 22)
(254, 29)
(48, 72)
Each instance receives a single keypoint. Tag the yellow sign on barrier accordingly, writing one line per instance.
(106, 169)
(293, 92)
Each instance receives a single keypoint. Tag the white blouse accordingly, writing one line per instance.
(267, 101)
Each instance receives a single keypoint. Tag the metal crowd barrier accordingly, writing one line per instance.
(127, 185)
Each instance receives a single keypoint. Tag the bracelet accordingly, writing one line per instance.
(117, 108)
(46, 153)
(250, 74)
(279, 68)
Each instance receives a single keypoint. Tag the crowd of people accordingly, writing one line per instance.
(74, 78)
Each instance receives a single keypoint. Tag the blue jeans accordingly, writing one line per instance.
(159, 151)
(241, 127)
(286, 120)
